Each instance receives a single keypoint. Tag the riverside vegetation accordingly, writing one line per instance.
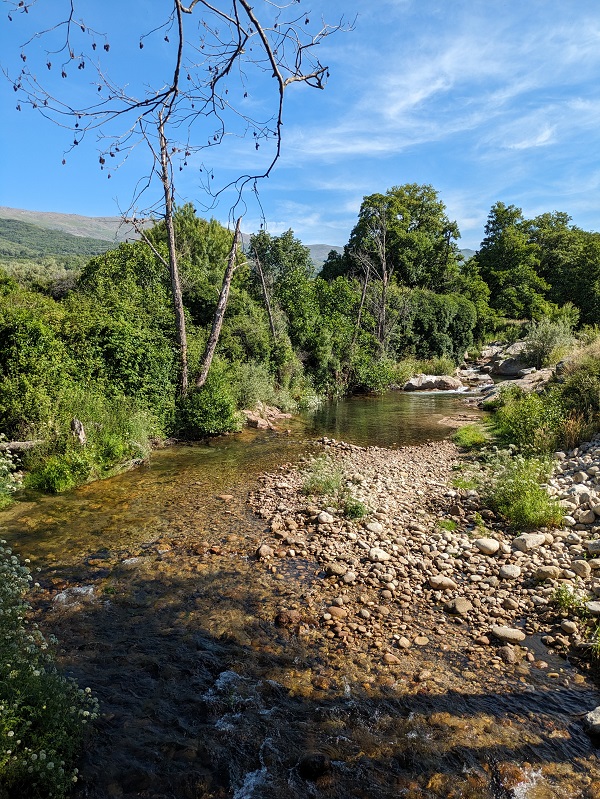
(100, 348)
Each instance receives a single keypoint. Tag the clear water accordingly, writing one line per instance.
(203, 696)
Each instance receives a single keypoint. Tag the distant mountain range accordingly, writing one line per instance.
(90, 235)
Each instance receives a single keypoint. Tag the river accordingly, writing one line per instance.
(203, 696)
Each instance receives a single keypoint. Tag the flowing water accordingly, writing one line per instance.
(148, 581)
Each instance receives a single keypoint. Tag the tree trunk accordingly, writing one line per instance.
(360, 310)
(213, 339)
(265, 295)
(173, 268)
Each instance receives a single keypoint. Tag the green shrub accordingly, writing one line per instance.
(211, 410)
(323, 477)
(531, 421)
(354, 508)
(514, 491)
(252, 383)
(470, 436)
(548, 341)
(59, 473)
(43, 715)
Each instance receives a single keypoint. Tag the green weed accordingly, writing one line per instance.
(471, 436)
(43, 715)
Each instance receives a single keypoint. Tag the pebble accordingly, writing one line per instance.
(488, 546)
(509, 634)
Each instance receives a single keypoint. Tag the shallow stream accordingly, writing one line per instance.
(203, 696)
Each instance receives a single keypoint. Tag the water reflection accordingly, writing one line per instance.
(393, 418)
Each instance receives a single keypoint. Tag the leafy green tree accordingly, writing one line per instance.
(509, 264)
(407, 234)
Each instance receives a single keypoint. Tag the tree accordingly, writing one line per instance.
(420, 240)
(509, 262)
(219, 54)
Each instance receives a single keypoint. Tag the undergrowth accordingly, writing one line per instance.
(43, 715)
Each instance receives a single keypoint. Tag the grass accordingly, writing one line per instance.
(447, 524)
(471, 436)
(573, 601)
(325, 478)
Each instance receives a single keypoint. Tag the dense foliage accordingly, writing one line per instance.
(97, 344)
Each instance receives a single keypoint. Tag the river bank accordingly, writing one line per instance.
(220, 675)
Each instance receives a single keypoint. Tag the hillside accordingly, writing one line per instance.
(105, 228)
(41, 231)
(24, 240)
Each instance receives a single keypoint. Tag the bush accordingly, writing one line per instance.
(211, 410)
(323, 477)
(515, 492)
(43, 715)
(531, 421)
(252, 383)
(548, 341)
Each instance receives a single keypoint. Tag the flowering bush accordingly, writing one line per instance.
(11, 480)
(42, 713)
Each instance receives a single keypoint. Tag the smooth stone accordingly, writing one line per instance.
(374, 527)
(337, 612)
(488, 546)
(460, 606)
(264, 551)
(593, 547)
(547, 573)
(510, 571)
(391, 660)
(587, 517)
(569, 627)
(592, 721)
(421, 640)
(509, 634)
(593, 608)
(325, 518)
(581, 568)
(378, 555)
(529, 541)
(441, 583)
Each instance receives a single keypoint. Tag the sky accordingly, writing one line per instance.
(483, 101)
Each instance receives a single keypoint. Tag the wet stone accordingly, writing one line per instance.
(509, 634)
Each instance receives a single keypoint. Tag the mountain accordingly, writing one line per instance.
(36, 233)
(105, 228)
(23, 240)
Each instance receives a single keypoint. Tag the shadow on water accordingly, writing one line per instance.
(203, 696)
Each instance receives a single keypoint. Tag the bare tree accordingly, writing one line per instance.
(220, 56)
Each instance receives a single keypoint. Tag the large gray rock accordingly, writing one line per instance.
(433, 382)
(509, 367)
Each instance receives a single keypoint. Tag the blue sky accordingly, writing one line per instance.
(484, 101)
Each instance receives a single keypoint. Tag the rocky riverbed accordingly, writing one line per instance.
(353, 658)
(430, 565)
